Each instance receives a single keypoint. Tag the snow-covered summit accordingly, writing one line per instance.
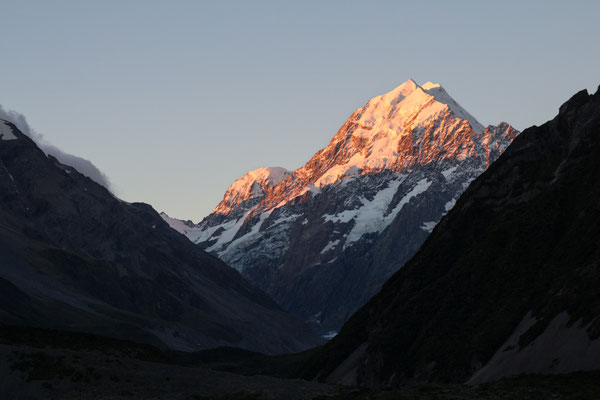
(410, 105)
(256, 183)
(408, 126)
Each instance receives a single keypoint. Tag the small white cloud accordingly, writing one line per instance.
(82, 165)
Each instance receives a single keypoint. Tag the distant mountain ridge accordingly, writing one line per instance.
(74, 257)
(303, 236)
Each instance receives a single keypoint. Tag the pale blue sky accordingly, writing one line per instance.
(174, 100)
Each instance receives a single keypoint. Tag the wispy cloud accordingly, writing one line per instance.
(82, 165)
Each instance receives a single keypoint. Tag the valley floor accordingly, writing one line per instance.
(33, 373)
(90, 367)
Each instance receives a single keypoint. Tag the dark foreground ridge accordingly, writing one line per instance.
(507, 283)
(72, 256)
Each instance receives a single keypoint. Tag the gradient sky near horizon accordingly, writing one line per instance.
(175, 100)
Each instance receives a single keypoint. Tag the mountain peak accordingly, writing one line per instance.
(430, 85)
(255, 184)
(270, 175)
(406, 87)
(397, 94)
(414, 104)
(410, 125)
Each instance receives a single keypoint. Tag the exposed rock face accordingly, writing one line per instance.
(317, 238)
(506, 283)
(72, 256)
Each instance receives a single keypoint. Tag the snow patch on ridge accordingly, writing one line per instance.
(419, 188)
(449, 172)
(330, 246)
(450, 204)
(289, 218)
(428, 226)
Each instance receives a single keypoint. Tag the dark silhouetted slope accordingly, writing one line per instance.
(506, 283)
(72, 256)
